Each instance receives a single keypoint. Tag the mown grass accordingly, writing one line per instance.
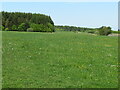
(59, 60)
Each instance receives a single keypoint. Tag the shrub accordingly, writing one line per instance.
(42, 28)
(22, 27)
(2, 28)
(51, 27)
(27, 25)
(48, 30)
(104, 30)
(116, 32)
(96, 32)
(14, 27)
(36, 27)
(30, 30)
(6, 29)
(91, 31)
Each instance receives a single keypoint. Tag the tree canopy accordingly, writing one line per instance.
(22, 21)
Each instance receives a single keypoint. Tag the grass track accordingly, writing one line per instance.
(59, 60)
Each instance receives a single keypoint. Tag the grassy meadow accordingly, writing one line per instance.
(0, 60)
(59, 60)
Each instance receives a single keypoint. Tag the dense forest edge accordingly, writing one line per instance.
(35, 22)
(18, 21)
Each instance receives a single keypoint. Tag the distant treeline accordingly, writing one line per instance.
(101, 31)
(72, 28)
(118, 32)
(18, 21)
(32, 22)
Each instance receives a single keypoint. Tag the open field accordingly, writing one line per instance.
(59, 60)
(0, 60)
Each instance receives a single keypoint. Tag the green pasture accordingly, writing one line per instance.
(59, 60)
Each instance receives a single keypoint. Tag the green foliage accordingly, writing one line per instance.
(51, 27)
(104, 30)
(30, 30)
(42, 28)
(2, 28)
(14, 27)
(6, 29)
(6, 23)
(37, 27)
(116, 32)
(12, 19)
(22, 27)
(91, 31)
(72, 28)
(26, 25)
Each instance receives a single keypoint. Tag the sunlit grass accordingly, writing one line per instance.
(59, 60)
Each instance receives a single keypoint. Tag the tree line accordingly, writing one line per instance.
(71, 28)
(19, 21)
(104, 30)
(33, 22)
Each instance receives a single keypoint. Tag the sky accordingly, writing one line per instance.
(119, 15)
(82, 14)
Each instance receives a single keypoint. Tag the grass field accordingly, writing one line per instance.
(0, 60)
(59, 60)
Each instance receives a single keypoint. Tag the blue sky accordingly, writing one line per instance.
(83, 14)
